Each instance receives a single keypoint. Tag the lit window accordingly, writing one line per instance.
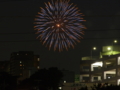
(118, 60)
(20, 64)
(38, 59)
(38, 67)
(20, 61)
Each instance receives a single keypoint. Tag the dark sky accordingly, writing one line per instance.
(17, 34)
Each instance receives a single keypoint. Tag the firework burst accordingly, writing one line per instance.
(59, 25)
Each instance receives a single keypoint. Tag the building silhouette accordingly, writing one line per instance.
(5, 66)
(24, 64)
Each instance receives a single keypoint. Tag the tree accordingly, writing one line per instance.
(102, 86)
(7, 81)
(45, 79)
(84, 88)
(105, 86)
(55, 76)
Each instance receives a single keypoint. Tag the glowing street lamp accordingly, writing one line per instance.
(115, 41)
(94, 48)
(59, 88)
(109, 48)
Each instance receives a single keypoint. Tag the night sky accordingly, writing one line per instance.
(17, 33)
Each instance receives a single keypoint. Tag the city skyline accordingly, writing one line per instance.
(17, 33)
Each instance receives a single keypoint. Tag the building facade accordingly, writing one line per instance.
(104, 69)
(24, 64)
(5, 66)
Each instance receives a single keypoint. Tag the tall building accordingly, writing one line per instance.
(4, 66)
(24, 64)
(106, 68)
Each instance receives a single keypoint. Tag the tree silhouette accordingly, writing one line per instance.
(55, 76)
(102, 86)
(105, 86)
(45, 79)
(84, 88)
(7, 81)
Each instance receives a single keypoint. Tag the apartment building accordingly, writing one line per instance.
(24, 64)
(105, 68)
(5, 66)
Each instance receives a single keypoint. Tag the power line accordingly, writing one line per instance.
(20, 41)
(102, 30)
(87, 30)
(83, 16)
(81, 39)
(17, 33)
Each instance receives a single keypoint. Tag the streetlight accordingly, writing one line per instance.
(109, 48)
(94, 48)
(59, 88)
(115, 41)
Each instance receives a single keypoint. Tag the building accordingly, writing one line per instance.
(24, 64)
(106, 68)
(4, 66)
